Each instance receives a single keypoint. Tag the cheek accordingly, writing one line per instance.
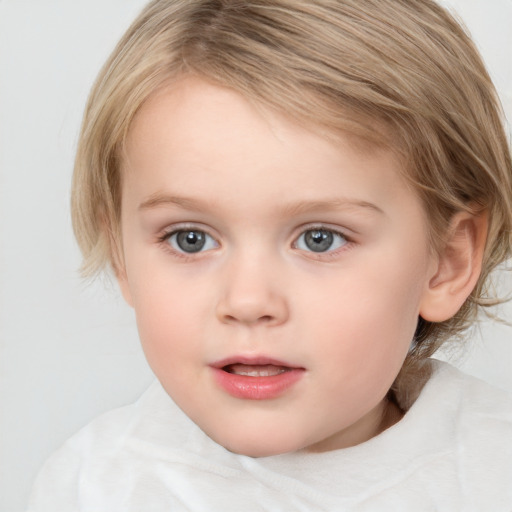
(369, 318)
(168, 316)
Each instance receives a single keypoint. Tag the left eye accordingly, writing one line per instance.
(320, 240)
(191, 241)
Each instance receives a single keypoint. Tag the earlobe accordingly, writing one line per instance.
(458, 267)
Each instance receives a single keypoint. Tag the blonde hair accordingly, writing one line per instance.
(401, 73)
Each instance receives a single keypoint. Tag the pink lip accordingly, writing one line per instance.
(255, 388)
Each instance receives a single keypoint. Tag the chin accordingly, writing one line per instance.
(257, 450)
(256, 447)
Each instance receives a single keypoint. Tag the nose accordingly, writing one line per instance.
(252, 295)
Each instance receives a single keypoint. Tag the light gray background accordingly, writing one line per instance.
(69, 351)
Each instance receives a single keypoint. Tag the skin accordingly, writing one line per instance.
(200, 157)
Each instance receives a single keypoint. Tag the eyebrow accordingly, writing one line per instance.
(157, 200)
(301, 207)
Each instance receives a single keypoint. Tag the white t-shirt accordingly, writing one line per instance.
(452, 451)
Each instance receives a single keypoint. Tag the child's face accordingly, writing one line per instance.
(276, 277)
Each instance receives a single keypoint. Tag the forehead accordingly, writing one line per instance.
(193, 130)
(195, 104)
(182, 91)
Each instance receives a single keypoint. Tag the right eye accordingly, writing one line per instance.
(190, 241)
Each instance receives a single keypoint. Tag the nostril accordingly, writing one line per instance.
(264, 319)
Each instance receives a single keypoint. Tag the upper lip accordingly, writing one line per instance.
(252, 361)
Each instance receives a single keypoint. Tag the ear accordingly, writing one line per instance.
(457, 268)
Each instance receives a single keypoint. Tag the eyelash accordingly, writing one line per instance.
(163, 239)
(331, 253)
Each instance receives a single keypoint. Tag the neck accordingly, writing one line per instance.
(383, 416)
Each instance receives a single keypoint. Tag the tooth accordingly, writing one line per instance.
(256, 371)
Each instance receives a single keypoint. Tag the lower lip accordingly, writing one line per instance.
(257, 388)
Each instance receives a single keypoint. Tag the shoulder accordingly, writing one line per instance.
(57, 486)
(469, 398)
(476, 420)
(109, 430)
(462, 405)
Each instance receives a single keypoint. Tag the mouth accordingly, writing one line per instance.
(255, 378)
(268, 370)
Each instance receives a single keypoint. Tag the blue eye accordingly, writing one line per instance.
(320, 240)
(191, 241)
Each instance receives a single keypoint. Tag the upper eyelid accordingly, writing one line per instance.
(319, 228)
(185, 226)
(168, 231)
(346, 233)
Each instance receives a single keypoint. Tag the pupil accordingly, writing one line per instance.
(191, 241)
(319, 241)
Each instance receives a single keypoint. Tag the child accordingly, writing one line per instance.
(289, 192)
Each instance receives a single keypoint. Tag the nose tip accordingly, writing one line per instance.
(254, 305)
